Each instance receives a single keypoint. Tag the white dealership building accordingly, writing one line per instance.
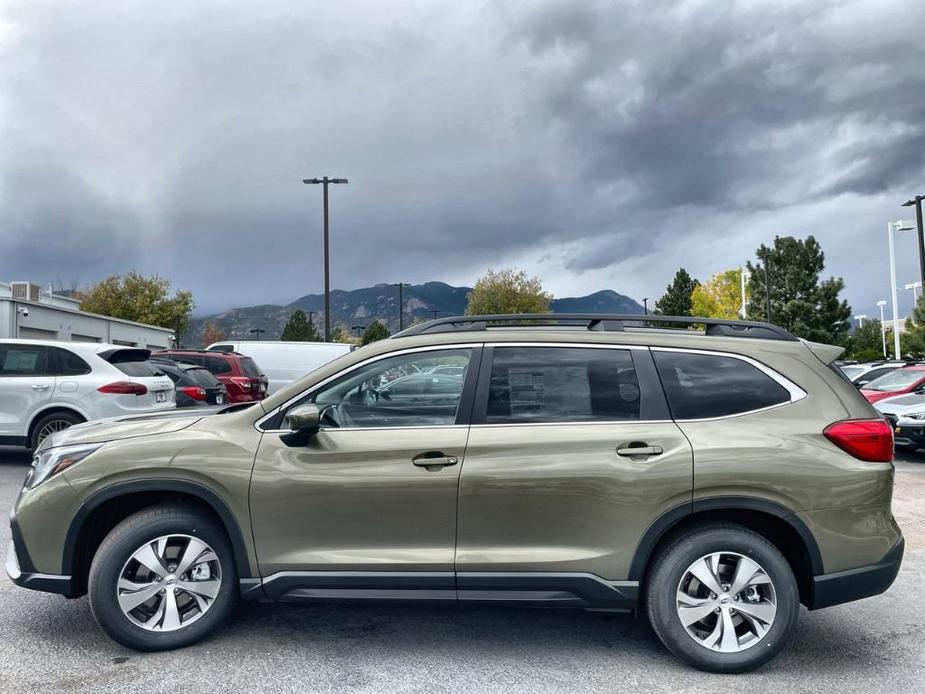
(32, 312)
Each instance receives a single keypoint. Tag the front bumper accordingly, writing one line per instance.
(854, 584)
(906, 434)
(21, 571)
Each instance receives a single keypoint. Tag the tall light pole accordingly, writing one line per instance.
(767, 282)
(899, 225)
(311, 321)
(917, 203)
(325, 181)
(860, 320)
(881, 304)
(359, 329)
(257, 331)
(645, 306)
(401, 304)
(743, 312)
(913, 286)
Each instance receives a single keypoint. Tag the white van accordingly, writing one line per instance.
(284, 362)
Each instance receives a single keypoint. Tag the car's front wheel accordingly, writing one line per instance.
(722, 598)
(51, 424)
(163, 578)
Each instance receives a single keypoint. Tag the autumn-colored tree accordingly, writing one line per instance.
(375, 331)
(299, 328)
(138, 298)
(211, 333)
(720, 296)
(507, 291)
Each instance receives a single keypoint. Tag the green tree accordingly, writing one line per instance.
(299, 328)
(676, 301)
(720, 296)
(800, 302)
(866, 343)
(507, 291)
(138, 298)
(339, 335)
(912, 339)
(375, 331)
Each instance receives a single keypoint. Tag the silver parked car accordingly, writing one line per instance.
(906, 414)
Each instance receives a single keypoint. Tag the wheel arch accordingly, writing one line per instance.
(107, 507)
(774, 521)
(48, 409)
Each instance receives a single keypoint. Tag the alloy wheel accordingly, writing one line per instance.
(726, 602)
(52, 427)
(169, 583)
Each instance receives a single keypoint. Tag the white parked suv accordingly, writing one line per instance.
(48, 386)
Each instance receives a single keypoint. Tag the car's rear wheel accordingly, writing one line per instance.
(163, 578)
(51, 424)
(722, 598)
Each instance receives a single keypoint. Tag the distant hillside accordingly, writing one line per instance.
(362, 306)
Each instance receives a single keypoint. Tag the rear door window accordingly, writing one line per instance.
(562, 384)
(202, 377)
(24, 360)
(703, 386)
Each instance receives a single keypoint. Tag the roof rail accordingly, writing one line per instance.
(601, 321)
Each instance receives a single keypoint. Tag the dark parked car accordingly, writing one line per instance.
(195, 385)
(241, 376)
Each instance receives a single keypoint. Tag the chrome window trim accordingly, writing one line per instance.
(796, 393)
(379, 357)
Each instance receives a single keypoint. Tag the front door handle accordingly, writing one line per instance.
(434, 460)
(638, 449)
(40, 386)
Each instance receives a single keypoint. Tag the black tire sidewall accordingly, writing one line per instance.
(69, 417)
(116, 549)
(663, 591)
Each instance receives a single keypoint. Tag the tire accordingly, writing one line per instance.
(191, 618)
(57, 421)
(672, 588)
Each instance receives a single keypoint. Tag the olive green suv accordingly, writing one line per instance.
(713, 477)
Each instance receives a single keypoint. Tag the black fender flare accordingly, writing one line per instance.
(670, 518)
(199, 491)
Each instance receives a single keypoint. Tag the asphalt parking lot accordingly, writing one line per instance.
(51, 643)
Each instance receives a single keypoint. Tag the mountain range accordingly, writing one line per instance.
(359, 307)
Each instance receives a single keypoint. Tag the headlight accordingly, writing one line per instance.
(51, 461)
(915, 415)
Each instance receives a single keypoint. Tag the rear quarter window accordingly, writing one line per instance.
(139, 369)
(218, 365)
(250, 367)
(703, 386)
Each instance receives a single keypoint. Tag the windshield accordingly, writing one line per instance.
(896, 380)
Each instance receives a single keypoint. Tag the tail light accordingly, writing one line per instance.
(242, 382)
(195, 392)
(124, 388)
(865, 439)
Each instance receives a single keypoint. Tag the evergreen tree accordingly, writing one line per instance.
(338, 335)
(800, 302)
(299, 328)
(912, 340)
(866, 344)
(676, 301)
(375, 331)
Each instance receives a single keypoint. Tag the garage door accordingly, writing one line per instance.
(36, 334)
(76, 337)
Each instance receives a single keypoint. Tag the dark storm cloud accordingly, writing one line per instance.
(600, 144)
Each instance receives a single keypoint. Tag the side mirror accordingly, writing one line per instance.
(304, 419)
(862, 383)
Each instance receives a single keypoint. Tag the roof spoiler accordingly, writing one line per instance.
(826, 353)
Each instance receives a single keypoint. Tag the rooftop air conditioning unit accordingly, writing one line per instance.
(26, 291)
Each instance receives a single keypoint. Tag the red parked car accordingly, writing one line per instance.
(242, 377)
(909, 379)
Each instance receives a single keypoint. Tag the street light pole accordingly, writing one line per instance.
(325, 181)
(767, 284)
(359, 329)
(890, 228)
(645, 305)
(917, 203)
(311, 320)
(258, 332)
(913, 286)
(881, 304)
(401, 304)
(860, 320)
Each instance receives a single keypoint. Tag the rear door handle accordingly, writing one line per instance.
(434, 460)
(630, 450)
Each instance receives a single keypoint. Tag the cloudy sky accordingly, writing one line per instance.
(596, 144)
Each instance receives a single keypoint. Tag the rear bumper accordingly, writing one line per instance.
(854, 584)
(21, 571)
